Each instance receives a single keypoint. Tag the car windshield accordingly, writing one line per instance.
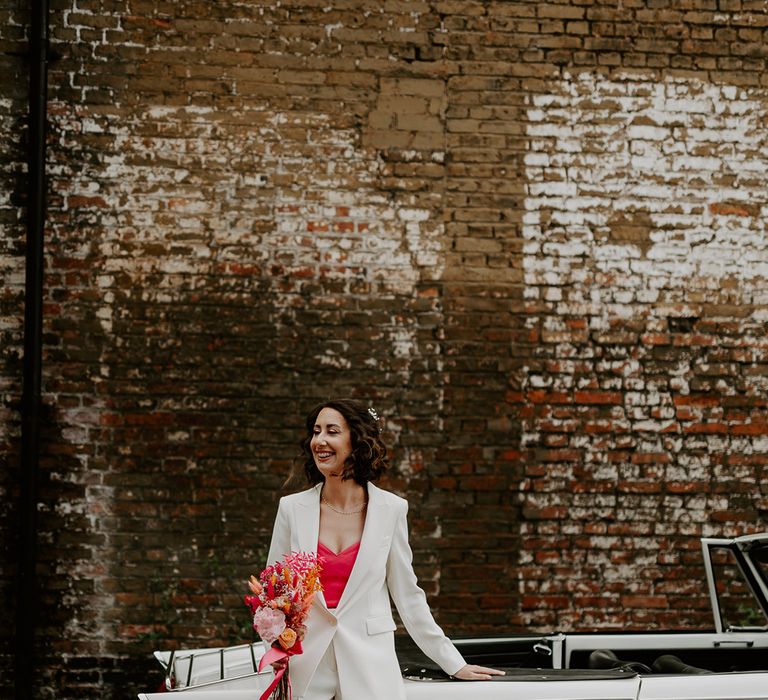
(739, 609)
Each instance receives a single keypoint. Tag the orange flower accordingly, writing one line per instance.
(287, 638)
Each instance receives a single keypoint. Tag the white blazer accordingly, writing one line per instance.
(361, 628)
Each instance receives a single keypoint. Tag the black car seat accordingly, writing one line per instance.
(605, 658)
(671, 664)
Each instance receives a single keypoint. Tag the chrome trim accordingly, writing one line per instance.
(253, 659)
(169, 671)
(706, 544)
(189, 670)
(750, 540)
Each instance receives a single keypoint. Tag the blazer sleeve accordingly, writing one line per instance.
(411, 601)
(281, 535)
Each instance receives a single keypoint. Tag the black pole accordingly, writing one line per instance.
(27, 598)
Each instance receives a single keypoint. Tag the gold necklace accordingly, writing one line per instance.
(344, 512)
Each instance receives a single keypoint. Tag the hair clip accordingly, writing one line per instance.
(374, 415)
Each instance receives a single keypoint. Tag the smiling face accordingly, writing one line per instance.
(331, 442)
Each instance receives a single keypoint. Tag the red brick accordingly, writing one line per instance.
(752, 428)
(598, 397)
(733, 209)
(696, 400)
(547, 397)
(705, 428)
(686, 487)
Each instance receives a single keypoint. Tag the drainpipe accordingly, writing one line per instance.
(27, 596)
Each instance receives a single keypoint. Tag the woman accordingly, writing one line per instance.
(360, 533)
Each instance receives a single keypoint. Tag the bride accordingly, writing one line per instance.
(360, 534)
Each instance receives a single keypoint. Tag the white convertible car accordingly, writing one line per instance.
(729, 663)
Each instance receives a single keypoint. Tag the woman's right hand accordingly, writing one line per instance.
(470, 672)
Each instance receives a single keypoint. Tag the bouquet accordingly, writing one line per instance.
(279, 602)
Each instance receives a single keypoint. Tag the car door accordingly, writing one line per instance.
(524, 651)
(544, 688)
(749, 685)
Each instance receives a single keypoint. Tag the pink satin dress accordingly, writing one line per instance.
(336, 571)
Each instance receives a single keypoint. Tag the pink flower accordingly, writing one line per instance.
(269, 623)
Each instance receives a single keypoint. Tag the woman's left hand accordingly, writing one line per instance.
(470, 672)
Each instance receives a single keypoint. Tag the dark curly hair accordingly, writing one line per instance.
(368, 460)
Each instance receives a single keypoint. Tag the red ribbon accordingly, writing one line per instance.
(277, 653)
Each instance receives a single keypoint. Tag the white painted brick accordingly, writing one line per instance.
(553, 189)
(647, 133)
(549, 129)
(533, 160)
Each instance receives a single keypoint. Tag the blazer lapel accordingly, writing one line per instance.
(308, 525)
(369, 543)
(308, 520)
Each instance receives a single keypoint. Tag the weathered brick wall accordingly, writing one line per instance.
(13, 102)
(645, 260)
(531, 233)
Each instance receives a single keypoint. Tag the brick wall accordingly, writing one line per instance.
(532, 234)
(645, 255)
(13, 100)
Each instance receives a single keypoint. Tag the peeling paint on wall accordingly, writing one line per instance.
(659, 185)
(645, 237)
(280, 213)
